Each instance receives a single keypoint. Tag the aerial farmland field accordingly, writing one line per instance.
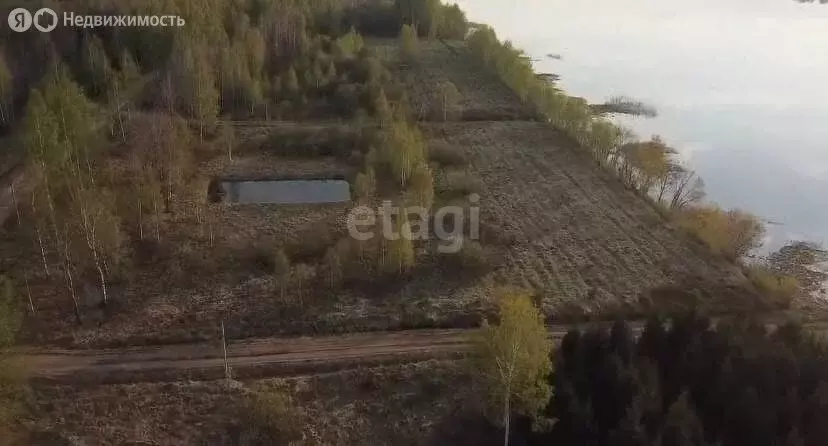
(579, 234)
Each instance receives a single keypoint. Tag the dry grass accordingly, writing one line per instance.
(446, 155)
(392, 405)
(483, 96)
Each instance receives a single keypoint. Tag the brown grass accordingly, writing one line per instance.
(391, 405)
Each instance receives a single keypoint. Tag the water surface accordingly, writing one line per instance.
(287, 191)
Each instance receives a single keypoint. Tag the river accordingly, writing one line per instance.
(741, 87)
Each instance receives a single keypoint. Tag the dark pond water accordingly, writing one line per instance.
(286, 191)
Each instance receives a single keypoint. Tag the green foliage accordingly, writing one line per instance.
(423, 15)
(409, 44)
(510, 360)
(97, 70)
(453, 23)
(60, 123)
(421, 187)
(688, 384)
(194, 81)
(511, 64)
(401, 150)
(397, 256)
(349, 45)
(382, 109)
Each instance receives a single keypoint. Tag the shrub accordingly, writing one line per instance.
(473, 259)
(397, 256)
(348, 45)
(732, 234)
(409, 44)
(421, 187)
(459, 184)
(271, 418)
(447, 100)
(401, 150)
(447, 155)
(780, 288)
(365, 185)
(281, 264)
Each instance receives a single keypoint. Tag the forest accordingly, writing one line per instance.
(679, 381)
(689, 384)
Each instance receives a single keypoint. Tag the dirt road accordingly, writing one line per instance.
(248, 358)
(260, 357)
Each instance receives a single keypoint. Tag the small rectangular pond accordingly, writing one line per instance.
(286, 191)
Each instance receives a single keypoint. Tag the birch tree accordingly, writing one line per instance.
(511, 360)
(60, 136)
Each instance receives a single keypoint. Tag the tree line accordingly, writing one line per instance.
(680, 382)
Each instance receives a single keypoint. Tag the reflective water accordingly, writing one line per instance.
(286, 191)
(741, 87)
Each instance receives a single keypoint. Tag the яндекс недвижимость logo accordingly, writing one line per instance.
(21, 20)
(46, 20)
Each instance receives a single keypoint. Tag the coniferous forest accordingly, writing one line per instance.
(687, 384)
